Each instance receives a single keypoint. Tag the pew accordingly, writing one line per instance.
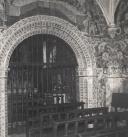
(98, 122)
(108, 125)
(46, 119)
(72, 114)
(35, 109)
(119, 132)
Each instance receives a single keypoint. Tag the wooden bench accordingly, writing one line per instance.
(46, 119)
(71, 114)
(35, 110)
(119, 132)
(97, 122)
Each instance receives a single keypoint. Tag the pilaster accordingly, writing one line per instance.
(3, 104)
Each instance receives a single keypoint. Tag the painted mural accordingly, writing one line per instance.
(109, 44)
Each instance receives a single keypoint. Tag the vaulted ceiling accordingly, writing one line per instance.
(108, 7)
(112, 10)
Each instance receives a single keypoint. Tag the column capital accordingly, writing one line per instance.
(81, 71)
(113, 31)
(3, 72)
(85, 72)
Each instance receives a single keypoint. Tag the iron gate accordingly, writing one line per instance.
(42, 65)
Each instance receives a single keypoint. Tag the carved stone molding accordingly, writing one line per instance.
(42, 24)
(3, 104)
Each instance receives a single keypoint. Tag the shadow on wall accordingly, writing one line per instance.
(115, 85)
(125, 86)
(120, 99)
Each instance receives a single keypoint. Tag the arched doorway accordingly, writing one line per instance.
(41, 24)
(43, 68)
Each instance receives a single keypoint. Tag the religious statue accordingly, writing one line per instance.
(89, 25)
(105, 59)
(103, 55)
(87, 21)
(2, 4)
(3, 17)
(10, 1)
(125, 22)
(102, 90)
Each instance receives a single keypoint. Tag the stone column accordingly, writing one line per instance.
(86, 86)
(101, 87)
(3, 104)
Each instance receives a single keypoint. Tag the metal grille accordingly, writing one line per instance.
(43, 66)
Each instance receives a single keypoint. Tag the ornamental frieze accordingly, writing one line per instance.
(35, 24)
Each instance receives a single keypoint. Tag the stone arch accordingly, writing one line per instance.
(42, 24)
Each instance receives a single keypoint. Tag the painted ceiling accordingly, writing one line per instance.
(102, 14)
(108, 7)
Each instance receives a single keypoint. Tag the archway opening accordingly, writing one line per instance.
(42, 70)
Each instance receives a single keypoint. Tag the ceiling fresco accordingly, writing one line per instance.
(94, 22)
(96, 15)
(104, 18)
(121, 16)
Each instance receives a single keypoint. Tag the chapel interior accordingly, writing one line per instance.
(63, 68)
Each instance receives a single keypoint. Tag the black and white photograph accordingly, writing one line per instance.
(63, 68)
